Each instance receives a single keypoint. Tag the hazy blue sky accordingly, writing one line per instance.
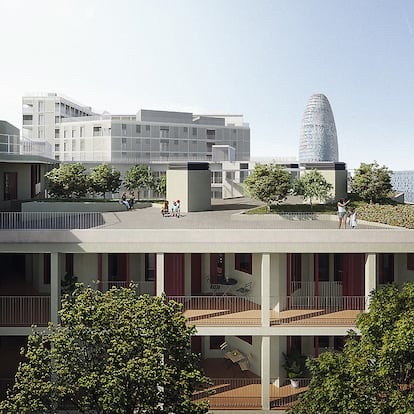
(259, 58)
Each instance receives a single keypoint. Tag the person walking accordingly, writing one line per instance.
(342, 212)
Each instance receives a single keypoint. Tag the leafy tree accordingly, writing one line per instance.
(269, 183)
(114, 352)
(102, 179)
(161, 185)
(372, 183)
(67, 181)
(375, 374)
(312, 185)
(139, 177)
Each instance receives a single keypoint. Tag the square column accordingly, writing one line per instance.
(370, 276)
(54, 287)
(265, 271)
(265, 373)
(159, 278)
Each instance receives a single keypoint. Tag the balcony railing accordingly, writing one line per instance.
(245, 393)
(24, 310)
(329, 303)
(49, 220)
(220, 310)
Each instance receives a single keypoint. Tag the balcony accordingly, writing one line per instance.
(24, 310)
(233, 389)
(246, 311)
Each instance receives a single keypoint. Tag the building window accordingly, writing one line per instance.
(410, 261)
(211, 133)
(97, 131)
(65, 133)
(164, 132)
(164, 145)
(194, 132)
(73, 133)
(40, 106)
(46, 268)
(57, 119)
(57, 133)
(185, 129)
(57, 147)
(138, 129)
(150, 266)
(27, 117)
(147, 128)
(386, 268)
(243, 262)
(41, 119)
(124, 129)
(323, 267)
(81, 131)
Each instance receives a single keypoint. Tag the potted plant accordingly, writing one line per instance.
(295, 366)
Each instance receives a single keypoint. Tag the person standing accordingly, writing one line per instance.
(342, 212)
(353, 219)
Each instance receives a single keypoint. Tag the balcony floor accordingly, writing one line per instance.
(299, 317)
(235, 389)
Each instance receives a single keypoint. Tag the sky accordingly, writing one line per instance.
(259, 58)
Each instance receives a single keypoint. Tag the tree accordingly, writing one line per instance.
(374, 374)
(161, 185)
(67, 181)
(269, 183)
(372, 183)
(114, 352)
(102, 179)
(312, 185)
(139, 177)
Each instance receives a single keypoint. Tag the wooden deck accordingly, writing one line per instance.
(299, 317)
(235, 389)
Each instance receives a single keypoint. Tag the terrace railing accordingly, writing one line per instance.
(329, 303)
(220, 310)
(24, 310)
(49, 220)
(245, 393)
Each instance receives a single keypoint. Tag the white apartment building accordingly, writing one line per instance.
(149, 136)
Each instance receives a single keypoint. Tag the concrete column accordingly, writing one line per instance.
(278, 281)
(265, 271)
(54, 287)
(160, 274)
(370, 275)
(265, 370)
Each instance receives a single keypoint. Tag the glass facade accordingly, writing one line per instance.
(318, 139)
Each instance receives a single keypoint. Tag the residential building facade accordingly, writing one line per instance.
(255, 286)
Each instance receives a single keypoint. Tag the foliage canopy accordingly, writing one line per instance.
(67, 181)
(375, 374)
(312, 185)
(139, 177)
(103, 179)
(269, 183)
(372, 183)
(114, 352)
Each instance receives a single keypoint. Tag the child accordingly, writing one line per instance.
(353, 218)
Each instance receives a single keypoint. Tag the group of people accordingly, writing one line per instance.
(128, 202)
(175, 209)
(344, 215)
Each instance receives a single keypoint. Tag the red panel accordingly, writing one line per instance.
(354, 274)
(174, 274)
(195, 273)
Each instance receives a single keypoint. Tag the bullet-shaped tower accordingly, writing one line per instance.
(318, 139)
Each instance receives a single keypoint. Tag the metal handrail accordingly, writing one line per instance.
(49, 220)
